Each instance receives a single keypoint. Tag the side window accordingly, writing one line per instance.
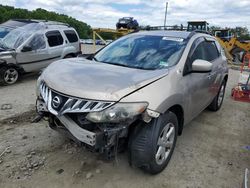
(199, 52)
(212, 52)
(54, 38)
(71, 35)
(37, 42)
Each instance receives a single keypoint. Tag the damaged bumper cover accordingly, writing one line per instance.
(99, 124)
(100, 137)
(81, 134)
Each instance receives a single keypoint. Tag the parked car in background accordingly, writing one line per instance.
(34, 46)
(82, 41)
(109, 41)
(127, 23)
(89, 41)
(136, 93)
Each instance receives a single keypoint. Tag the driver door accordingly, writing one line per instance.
(33, 55)
(198, 83)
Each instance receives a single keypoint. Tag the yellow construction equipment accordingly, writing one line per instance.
(234, 49)
(232, 46)
(117, 33)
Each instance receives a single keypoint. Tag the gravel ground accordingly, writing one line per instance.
(212, 152)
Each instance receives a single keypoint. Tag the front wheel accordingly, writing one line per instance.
(151, 146)
(8, 75)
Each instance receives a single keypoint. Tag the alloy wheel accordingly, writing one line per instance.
(10, 76)
(165, 143)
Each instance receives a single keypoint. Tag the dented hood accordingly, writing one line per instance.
(94, 80)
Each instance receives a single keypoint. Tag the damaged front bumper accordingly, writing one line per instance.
(101, 137)
(81, 134)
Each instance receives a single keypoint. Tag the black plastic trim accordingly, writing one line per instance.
(39, 60)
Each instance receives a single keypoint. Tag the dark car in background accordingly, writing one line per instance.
(127, 23)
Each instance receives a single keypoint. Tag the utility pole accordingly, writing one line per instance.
(166, 11)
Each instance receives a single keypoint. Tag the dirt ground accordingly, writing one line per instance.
(212, 152)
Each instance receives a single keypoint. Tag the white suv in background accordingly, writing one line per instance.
(34, 46)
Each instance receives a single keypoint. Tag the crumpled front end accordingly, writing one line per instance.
(7, 57)
(71, 115)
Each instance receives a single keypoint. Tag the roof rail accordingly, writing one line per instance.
(55, 23)
(46, 22)
(174, 27)
(198, 31)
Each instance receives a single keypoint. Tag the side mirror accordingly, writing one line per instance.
(200, 66)
(26, 49)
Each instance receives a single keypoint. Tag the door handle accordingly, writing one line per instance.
(210, 75)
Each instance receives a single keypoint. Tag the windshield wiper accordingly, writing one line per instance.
(95, 59)
(118, 64)
(144, 68)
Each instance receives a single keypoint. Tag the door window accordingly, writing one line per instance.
(211, 51)
(54, 38)
(71, 35)
(201, 49)
(37, 42)
(206, 50)
(199, 52)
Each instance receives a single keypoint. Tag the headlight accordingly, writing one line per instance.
(117, 113)
(38, 84)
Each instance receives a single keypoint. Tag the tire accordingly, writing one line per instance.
(68, 56)
(8, 75)
(118, 26)
(218, 100)
(145, 151)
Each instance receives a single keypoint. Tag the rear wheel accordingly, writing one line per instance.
(68, 56)
(152, 146)
(8, 75)
(218, 100)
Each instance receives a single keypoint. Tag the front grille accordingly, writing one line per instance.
(59, 104)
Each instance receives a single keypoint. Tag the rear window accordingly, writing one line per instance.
(71, 36)
(54, 38)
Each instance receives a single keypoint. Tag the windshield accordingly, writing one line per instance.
(17, 36)
(143, 52)
(4, 31)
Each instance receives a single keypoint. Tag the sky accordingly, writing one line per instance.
(105, 13)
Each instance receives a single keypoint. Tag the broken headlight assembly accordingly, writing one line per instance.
(38, 84)
(117, 113)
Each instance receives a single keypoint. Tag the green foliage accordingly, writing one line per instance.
(8, 12)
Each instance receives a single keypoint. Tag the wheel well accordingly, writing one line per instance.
(178, 111)
(71, 54)
(18, 68)
(225, 78)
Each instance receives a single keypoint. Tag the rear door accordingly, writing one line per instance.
(56, 45)
(213, 55)
(72, 41)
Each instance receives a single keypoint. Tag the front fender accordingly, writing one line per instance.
(3, 63)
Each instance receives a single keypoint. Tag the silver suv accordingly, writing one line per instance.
(138, 92)
(34, 46)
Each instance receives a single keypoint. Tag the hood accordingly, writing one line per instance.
(94, 80)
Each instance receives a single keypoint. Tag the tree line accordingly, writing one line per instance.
(8, 12)
(83, 29)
